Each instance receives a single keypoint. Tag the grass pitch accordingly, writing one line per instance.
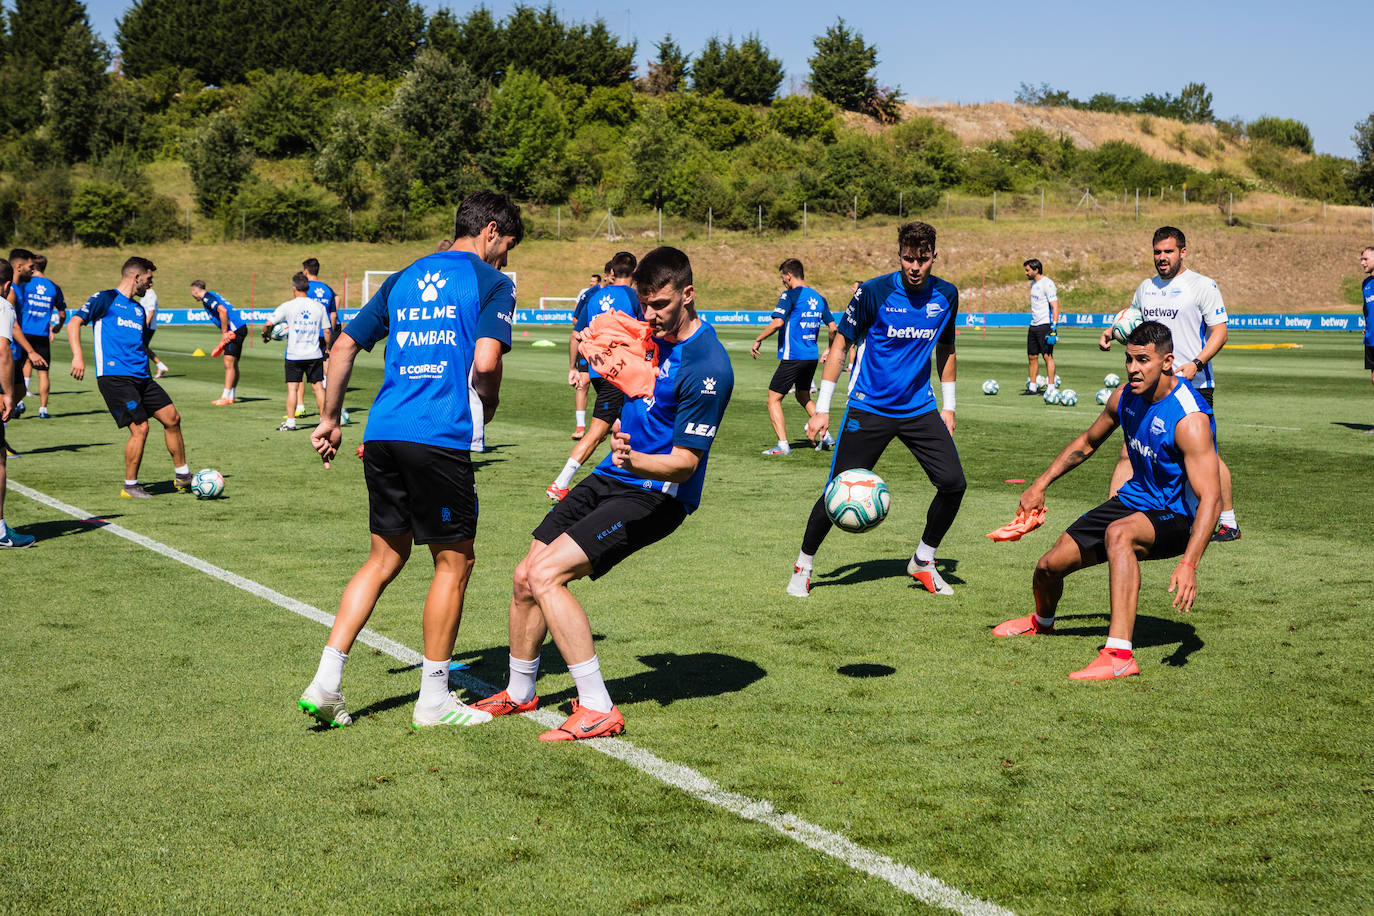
(157, 762)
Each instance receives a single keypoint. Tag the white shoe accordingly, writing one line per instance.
(453, 712)
(288, 426)
(826, 443)
(928, 577)
(328, 708)
(778, 450)
(300, 410)
(799, 586)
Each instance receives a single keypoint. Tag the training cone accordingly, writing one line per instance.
(524, 333)
(543, 343)
(197, 352)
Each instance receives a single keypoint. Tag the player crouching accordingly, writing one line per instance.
(1168, 508)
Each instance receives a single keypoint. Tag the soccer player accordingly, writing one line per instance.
(1367, 291)
(121, 372)
(1166, 509)
(9, 538)
(23, 351)
(898, 319)
(324, 293)
(230, 321)
(639, 494)
(446, 320)
(615, 296)
(577, 366)
(798, 317)
(149, 303)
(42, 297)
(308, 323)
(1040, 338)
(1190, 306)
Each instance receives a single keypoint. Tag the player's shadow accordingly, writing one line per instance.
(56, 528)
(64, 414)
(674, 677)
(69, 447)
(1149, 631)
(887, 568)
(1358, 427)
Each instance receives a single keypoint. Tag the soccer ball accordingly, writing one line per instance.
(207, 484)
(1126, 321)
(1103, 395)
(990, 386)
(1112, 380)
(1041, 381)
(280, 331)
(1056, 381)
(1051, 395)
(1068, 397)
(343, 416)
(856, 500)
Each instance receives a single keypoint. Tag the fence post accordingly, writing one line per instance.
(856, 211)
(708, 224)
(188, 225)
(1230, 208)
(994, 206)
(1042, 206)
(900, 196)
(559, 223)
(243, 226)
(760, 232)
(1323, 217)
(1137, 204)
(350, 225)
(947, 208)
(1279, 226)
(803, 219)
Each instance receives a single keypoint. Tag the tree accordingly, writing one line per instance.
(476, 40)
(744, 73)
(527, 137)
(37, 27)
(842, 67)
(74, 90)
(336, 167)
(1360, 177)
(667, 73)
(220, 157)
(279, 113)
(437, 115)
(1195, 104)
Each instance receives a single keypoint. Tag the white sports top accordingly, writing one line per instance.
(1187, 305)
(1042, 293)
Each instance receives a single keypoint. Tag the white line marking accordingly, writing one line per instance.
(918, 884)
(1294, 429)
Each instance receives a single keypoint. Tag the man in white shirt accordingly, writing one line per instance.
(307, 321)
(9, 538)
(149, 303)
(1044, 323)
(1189, 305)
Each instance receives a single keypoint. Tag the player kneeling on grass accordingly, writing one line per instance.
(1167, 508)
(446, 320)
(307, 322)
(639, 494)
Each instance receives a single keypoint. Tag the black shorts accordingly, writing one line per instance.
(426, 491)
(130, 399)
(235, 347)
(863, 437)
(43, 347)
(610, 520)
(1369, 357)
(312, 370)
(609, 401)
(793, 373)
(1090, 531)
(1037, 342)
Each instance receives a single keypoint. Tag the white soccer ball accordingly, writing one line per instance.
(343, 416)
(1068, 397)
(990, 386)
(856, 500)
(1056, 381)
(1051, 395)
(207, 484)
(1041, 381)
(1103, 395)
(280, 331)
(1126, 321)
(1111, 380)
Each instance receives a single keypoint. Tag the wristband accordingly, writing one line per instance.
(1187, 564)
(824, 395)
(1199, 363)
(946, 395)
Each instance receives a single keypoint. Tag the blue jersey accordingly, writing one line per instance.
(323, 293)
(1368, 290)
(898, 330)
(41, 296)
(694, 383)
(609, 298)
(1158, 477)
(803, 312)
(118, 325)
(431, 315)
(213, 301)
(580, 307)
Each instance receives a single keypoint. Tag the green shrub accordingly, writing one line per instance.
(295, 213)
(1281, 132)
(101, 212)
(803, 118)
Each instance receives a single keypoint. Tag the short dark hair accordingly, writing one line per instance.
(1034, 264)
(483, 207)
(606, 267)
(664, 266)
(40, 262)
(1152, 333)
(917, 236)
(596, 277)
(300, 282)
(794, 267)
(1367, 248)
(198, 284)
(136, 264)
(622, 264)
(20, 254)
(6, 272)
(1169, 232)
(312, 266)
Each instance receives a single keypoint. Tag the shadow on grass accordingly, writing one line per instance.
(865, 669)
(870, 570)
(62, 527)
(70, 447)
(1149, 631)
(32, 414)
(1358, 427)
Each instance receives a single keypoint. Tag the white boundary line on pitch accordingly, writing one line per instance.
(923, 887)
(1294, 429)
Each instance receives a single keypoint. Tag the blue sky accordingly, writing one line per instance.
(1311, 61)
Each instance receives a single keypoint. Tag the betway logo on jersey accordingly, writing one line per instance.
(1142, 449)
(705, 430)
(126, 323)
(425, 338)
(1155, 313)
(911, 333)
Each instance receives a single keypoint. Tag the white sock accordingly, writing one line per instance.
(329, 676)
(522, 676)
(806, 560)
(4, 529)
(565, 477)
(581, 417)
(925, 553)
(290, 423)
(782, 444)
(1044, 621)
(591, 689)
(182, 469)
(1114, 643)
(130, 483)
(161, 365)
(1228, 518)
(224, 392)
(433, 683)
(229, 392)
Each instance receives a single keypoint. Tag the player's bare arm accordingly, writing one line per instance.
(327, 436)
(674, 467)
(574, 374)
(1075, 453)
(1193, 434)
(766, 333)
(6, 383)
(819, 424)
(78, 357)
(486, 375)
(947, 366)
(24, 344)
(1216, 339)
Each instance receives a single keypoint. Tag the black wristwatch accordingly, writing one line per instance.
(1199, 363)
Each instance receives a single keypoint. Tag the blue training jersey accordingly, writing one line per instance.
(1368, 290)
(1158, 478)
(431, 315)
(322, 292)
(211, 304)
(898, 330)
(41, 297)
(117, 323)
(803, 312)
(693, 387)
(609, 298)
